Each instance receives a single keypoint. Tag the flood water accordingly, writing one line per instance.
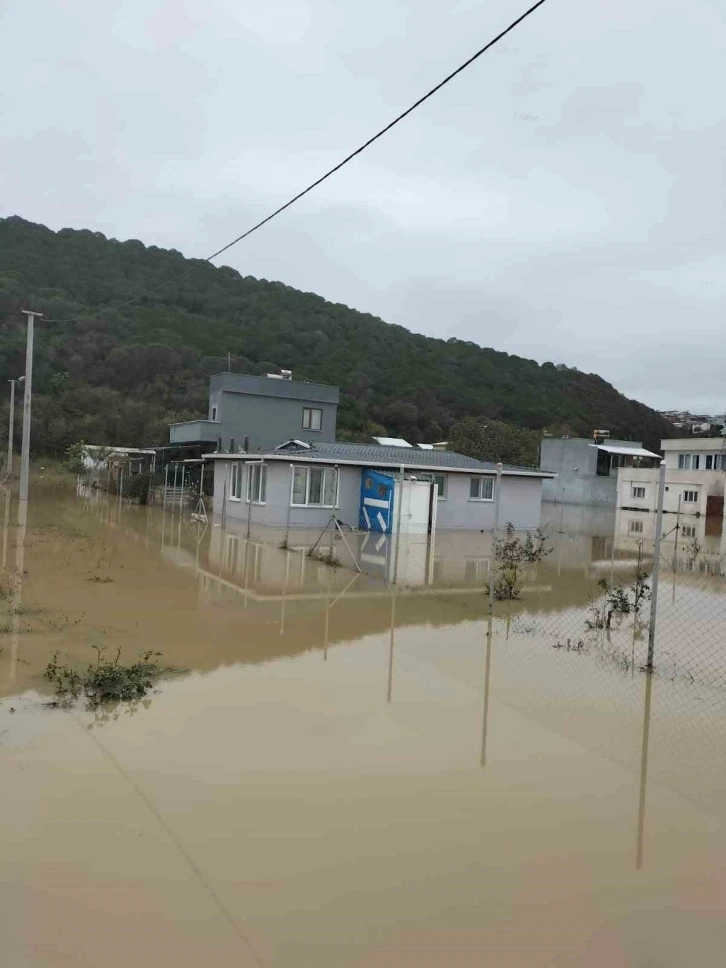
(348, 773)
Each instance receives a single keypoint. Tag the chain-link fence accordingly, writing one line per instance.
(645, 615)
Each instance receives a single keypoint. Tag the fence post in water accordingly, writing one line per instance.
(289, 505)
(397, 527)
(249, 500)
(490, 619)
(656, 565)
(166, 483)
(495, 529)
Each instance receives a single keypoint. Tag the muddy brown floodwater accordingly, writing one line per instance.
(344, 775)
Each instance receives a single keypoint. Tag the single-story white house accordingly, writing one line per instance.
(300, 485)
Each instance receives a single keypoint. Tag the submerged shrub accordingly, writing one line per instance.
(511, 552)
(105, 680)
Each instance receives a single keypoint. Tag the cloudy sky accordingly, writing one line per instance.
(563, 199)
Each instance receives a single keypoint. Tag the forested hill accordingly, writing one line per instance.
(122, 375)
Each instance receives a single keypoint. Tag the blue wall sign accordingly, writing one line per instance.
(376, 502)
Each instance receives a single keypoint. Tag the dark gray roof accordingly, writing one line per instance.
(376, 455)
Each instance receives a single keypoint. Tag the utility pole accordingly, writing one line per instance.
(27, 403)
(11, 424)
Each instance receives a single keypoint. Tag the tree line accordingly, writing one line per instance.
(122, 375)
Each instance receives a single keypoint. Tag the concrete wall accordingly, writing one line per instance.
(707, 483)
(269, 411)
(574, 460)
(273, 513)
(520, 501)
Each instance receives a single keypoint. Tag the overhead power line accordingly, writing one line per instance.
(332, 171)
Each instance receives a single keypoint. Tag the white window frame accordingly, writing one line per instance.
(684, 462)
(709, 461)
(214, 415)
(307, 414)
(690, 500)
(695, 462)
(307, 468)
(637, 487)
(635, 526)
(443, 494)
(481, 478)
(236, 480)
(262, 486)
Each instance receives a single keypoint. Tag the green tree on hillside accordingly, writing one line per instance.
(496, 441)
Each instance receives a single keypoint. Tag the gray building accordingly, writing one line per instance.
(586, 468)
(302, 486)
(254, 413)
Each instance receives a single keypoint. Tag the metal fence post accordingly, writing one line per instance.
(249, 499)
(495, 529)
(176, 472)
(490, 619)
(181, 497)
(289, 505)
(656, 565)
(397, 514)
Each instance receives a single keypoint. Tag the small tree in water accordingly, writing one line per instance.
(75, 459)
(511, 552)
(621, 600)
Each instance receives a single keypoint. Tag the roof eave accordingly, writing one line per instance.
(307, 458)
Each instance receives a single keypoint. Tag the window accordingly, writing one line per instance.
(709, 462)
(688, 530)
(690, 497)
(235, 484)
(439, 480)
(695, 462)
(638, 492)
(214, 413)
(312, 418)
(314, 487)
(635, 527)
(256, 483)
(684, 462)
(481, 489)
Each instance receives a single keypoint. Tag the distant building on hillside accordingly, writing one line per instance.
(587, 468)
(693, 423)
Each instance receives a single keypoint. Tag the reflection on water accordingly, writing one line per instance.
(355, 770)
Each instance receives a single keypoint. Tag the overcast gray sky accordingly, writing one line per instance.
(563, 199)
